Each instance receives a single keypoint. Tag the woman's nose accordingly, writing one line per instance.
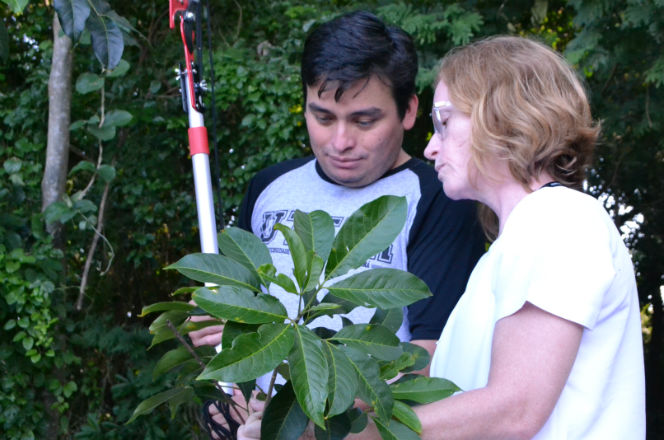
(432, 148)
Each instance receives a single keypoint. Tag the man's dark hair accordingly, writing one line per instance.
(357, 46)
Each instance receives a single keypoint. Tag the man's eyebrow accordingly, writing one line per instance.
(372, 112)
(316, 108)
(369, 112)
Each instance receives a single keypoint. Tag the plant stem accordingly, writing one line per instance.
(270, 387)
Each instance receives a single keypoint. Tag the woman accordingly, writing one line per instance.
(546, 340)
(547, 335)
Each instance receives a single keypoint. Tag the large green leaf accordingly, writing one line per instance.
(342, 380)
(298, 254)
(216, 269)
(389, 370)
(117, 118)
(175, 317)
(4, 43)
(376, 340)
(234, 329)
(316, 230)
(164, 306)
(309, 373)
(422, 389)
(371, 388)
(315, 265)
(283, 418)
(88, 82)
(240, 305)
(251, 355)
(72, 15)
(336, 428)
(171, 359)
(407, 416)
(384, 288)
(268, 273)
(245, 248)
(419, 354)
(390, 318)
(16, 6)
(368, 231)
(107, 39)
(149, 404)
(393, 430)
(162, 330)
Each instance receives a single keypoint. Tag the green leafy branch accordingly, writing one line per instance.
(326, 370)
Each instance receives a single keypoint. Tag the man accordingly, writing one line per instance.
(358, 79)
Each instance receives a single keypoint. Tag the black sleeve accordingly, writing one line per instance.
(445, 243)
(259, 182)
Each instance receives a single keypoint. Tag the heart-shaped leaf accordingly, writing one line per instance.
(72, 15)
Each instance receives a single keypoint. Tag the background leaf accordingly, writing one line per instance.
(148, 405)
(17, 6)
(72, 15)
(88, 82)
(107, 40)
(117, 118)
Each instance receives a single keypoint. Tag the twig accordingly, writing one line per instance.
(187, 346)
(93, 247)
(226, 398)
(268, 397)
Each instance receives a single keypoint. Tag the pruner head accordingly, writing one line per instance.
(174, 8)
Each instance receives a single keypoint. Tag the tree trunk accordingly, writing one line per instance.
(59, 105)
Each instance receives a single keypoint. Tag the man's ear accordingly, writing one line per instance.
(411, 113)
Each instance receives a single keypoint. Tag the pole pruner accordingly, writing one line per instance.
(192, 86)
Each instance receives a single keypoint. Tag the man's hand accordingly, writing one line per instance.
(251, 430)
(210, 335)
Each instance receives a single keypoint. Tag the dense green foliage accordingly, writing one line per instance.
(81, 373)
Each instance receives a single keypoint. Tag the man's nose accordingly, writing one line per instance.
(343, 137)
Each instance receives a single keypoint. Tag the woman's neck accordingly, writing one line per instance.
(503, 196)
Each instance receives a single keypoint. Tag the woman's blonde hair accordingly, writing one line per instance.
(527, 107)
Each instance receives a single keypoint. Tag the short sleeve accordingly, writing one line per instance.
(555, 252)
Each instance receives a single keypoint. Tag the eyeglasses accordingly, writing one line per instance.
(437, 119)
